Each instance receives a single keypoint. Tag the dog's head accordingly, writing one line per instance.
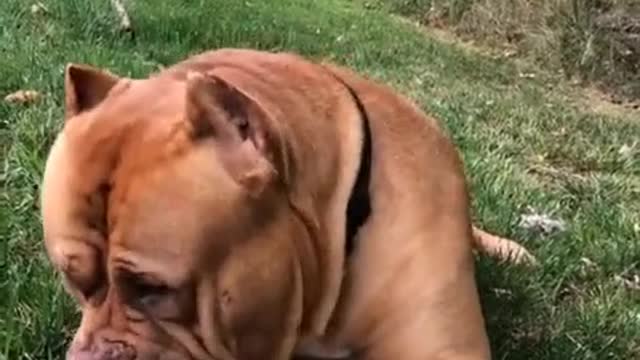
(164, 212)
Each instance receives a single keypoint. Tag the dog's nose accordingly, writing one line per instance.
(104, 350)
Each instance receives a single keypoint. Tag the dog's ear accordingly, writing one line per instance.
(85, 87)
(217, 108)
(238, 124)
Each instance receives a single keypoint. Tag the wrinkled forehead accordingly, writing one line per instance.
(174, 211)
(143, 118)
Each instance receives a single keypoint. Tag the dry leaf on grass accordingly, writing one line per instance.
(22, 97)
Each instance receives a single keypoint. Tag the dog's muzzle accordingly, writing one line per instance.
(103, 350)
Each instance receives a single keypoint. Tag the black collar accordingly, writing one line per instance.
(359, 205)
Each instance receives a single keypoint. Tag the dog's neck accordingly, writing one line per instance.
(357, 197)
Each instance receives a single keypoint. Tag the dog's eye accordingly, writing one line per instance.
(146, 290)
(138, 290)
(154, 297)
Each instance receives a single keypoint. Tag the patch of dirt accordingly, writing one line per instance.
(447, 37)
(584, 96)
(607, 104)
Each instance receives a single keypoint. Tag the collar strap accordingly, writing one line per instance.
(359, 205)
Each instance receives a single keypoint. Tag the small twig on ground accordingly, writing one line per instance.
(125, 21)
(39, 8)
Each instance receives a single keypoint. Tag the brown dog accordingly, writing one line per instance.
(251, 205)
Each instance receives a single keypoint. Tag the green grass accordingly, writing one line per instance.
(524, 145)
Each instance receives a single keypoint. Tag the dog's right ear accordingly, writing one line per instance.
(219, 110)
(85, 87)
